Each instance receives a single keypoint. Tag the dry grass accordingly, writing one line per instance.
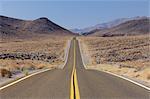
(49, 45)
(19, 64)
(5, 72)
(148, 76)
(118, 49)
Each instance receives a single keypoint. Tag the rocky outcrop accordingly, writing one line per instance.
(31, 56)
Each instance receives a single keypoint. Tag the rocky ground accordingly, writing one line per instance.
(128, 55)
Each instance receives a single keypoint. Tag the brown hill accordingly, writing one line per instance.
(132, 27)
(11, 27)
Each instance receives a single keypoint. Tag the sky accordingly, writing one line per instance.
(74, 13)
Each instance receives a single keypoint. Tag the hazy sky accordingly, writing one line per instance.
(75, 13)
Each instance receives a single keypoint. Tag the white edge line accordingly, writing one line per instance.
(134, 82)
(141, 85)
(82, 55)
(21, 79)
(67, 53)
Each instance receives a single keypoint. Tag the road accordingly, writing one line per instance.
(55, 84)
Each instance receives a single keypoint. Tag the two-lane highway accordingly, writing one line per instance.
(92, 84)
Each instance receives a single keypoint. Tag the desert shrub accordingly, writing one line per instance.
(5, 73)
(137, 75)
(25, 71)
(41, 67)
(31, 67)
(148, 76)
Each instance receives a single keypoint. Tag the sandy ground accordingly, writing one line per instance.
(137, 70)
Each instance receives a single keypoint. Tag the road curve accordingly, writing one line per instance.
(55, 84)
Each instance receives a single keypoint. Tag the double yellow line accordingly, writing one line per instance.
(74, 89)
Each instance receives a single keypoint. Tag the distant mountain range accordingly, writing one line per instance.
(105, 25)
(12, 27)
(132, 27)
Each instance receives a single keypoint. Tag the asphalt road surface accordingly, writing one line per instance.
(55, 84)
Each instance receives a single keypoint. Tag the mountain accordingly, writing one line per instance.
(105, 25)
(131, 27)
(76, 30)
(12, 27)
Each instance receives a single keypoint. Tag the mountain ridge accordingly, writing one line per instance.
(131, 27)
(13, 27)
(106, 24)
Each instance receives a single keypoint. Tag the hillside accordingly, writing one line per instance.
(132, 27)
(11, 27)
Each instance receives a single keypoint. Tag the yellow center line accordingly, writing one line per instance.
(74, 89)
(77, 93)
